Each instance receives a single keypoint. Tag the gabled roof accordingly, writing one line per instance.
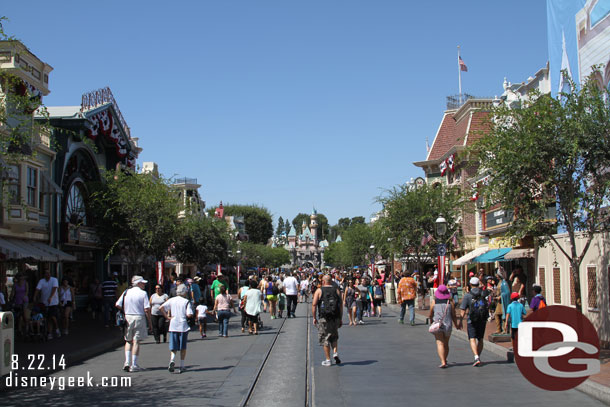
(459, 128)
(293, 231)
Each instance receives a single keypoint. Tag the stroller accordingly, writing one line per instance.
(36, 326)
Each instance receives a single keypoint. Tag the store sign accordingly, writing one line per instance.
(501, 242)
(497, 218)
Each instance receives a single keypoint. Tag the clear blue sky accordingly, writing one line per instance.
(286, 104)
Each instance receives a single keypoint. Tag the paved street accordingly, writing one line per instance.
(384, 363)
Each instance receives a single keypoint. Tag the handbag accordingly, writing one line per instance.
(439, 325)
(121, 322)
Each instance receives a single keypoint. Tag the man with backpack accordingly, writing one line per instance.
(327, 302)
(477, 305)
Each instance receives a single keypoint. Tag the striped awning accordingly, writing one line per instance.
(15, 249)
(520, 254)
(466, 259)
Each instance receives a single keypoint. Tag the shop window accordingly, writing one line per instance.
(592, 286)
(542, 279)
(556, 285)
(14, 174)
(32, 186)
(572, 289)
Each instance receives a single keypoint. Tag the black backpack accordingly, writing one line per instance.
(274, 289)
(479, 309)
(328, 307)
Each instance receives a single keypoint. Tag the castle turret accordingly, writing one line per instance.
(314, 225)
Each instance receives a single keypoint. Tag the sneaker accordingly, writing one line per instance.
(135, 368)
(361, 322)
(336, 357)
(65, 332)
(50, 336)
(57, 333)
(203, 336)
(171, 367)
(182, 369)
(326, 363)
(412, 323)
(126, 367)
(400, 321)
(477, 362)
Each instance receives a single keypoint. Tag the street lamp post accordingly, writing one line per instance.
(238, 265)
(441, 230)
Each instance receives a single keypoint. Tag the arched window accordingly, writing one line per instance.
(75, 205)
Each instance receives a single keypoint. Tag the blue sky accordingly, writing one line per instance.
(285, 104)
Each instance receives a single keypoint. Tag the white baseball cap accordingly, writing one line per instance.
(474, 281)
(137, 280)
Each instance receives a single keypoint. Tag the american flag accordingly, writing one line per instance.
(454, 240)
(426, 238)
(463, 66)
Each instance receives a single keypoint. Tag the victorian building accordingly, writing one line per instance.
(29, 194)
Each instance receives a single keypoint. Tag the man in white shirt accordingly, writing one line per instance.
(46, 293)
(177, 310)
(291, 289)
(135, 305)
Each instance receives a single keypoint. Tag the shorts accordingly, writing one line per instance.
(377, 303)
(178, 340)
(203, 320)
(272, 297)
(252, 318)
(51, 311)
(304, 292)
(513, 333)
(281, 306)
(476, 330)
(136, 328)
(328, 331)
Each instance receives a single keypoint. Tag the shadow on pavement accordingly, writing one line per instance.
(360, 363)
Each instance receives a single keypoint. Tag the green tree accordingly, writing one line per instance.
(298, 220)
(287, 226)
(337, 255)
(357, 220)
(411, 213)
(358, 240)
(280, 227)
(258, 221)
(202, 241)
(136, 214)
(553, 152)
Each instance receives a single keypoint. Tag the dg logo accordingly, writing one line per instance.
(557, 348)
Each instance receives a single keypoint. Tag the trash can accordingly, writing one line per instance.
(7, 340)
(390, 290)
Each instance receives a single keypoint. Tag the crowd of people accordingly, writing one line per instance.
(182, 304)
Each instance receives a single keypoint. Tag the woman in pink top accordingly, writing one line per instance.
(222, 306)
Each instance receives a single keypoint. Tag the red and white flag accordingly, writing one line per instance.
(218, 269)
(463, 66)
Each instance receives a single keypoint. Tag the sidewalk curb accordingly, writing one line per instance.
(589, 387)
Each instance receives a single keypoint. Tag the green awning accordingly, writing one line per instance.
(491, 256)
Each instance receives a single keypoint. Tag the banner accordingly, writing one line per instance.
(160, 267)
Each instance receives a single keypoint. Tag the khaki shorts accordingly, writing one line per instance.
(328, 331)
(136, 328)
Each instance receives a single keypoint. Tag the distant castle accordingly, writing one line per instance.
(306, 250)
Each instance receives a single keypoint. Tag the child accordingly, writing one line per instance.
(514, 313)
(281, 303)
(538, 301)
(35, 320)
(202, 312)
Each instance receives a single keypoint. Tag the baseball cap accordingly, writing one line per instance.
(514, 296)
(474, 281)
(137, 280)
(181, 290)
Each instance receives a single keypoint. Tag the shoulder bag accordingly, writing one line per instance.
(439, 325)
(121, 322)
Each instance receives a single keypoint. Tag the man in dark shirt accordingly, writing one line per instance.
(475, 302)
(109, 288)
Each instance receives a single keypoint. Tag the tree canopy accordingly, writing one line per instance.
(202, 241)
(135, 213)
(553, 152)
(258, 221)
(411, 213)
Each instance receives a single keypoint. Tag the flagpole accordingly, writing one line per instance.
(459, 75)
